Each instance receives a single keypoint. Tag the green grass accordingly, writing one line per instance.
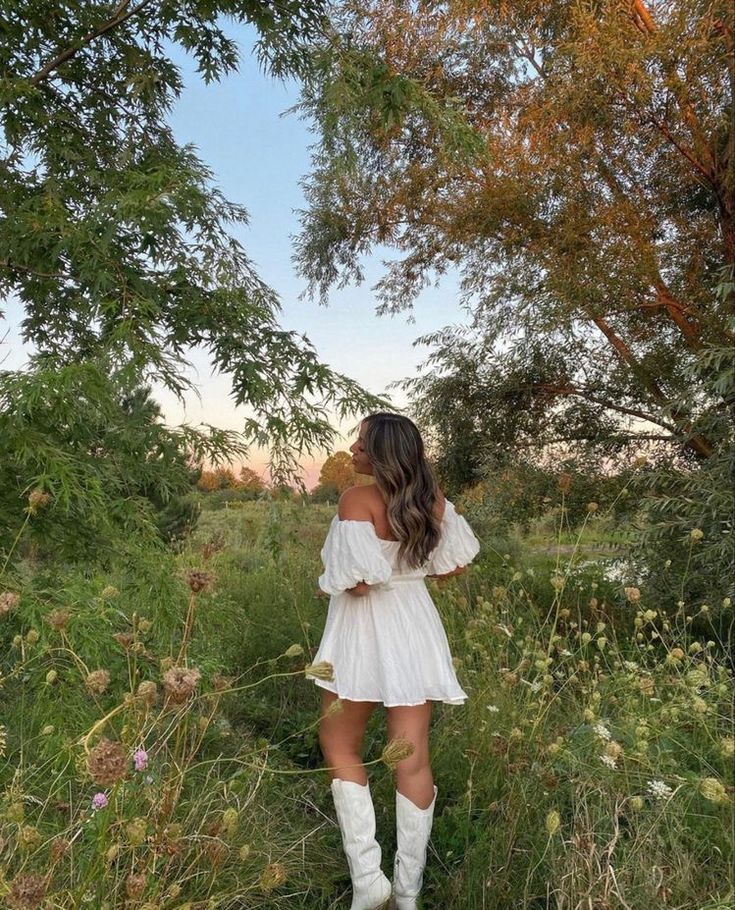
(528, 814)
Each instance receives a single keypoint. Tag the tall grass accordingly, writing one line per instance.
(590, 768)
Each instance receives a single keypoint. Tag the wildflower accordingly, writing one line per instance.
(633, 594)
(59, 847)
(640, 461)
(9, 600)
(727, 746)
(696, 534)
(17, 640)
(713, 790)
(136, 830)
(553, 820)
(272, 876)
(396, 750)
(493, 709)
(592, 506)
(145, 625)
(230, 821)
(97, 681)
(106, 763)
(322, 670)
(608, 760)
(294, 650)
(135, 884)
(58, 619)
(613, 749)
(140, 759)
(726, 602)
(51, 677)
(27, 891)
(180, 683)
(108, 592)
(32, 636)
(48, 730)
(646, 685)
(586, 638)
(601, 642)
(658, 789)
(676, 654)
(557, 582)
(147, 692)
(602, 731)
(636, 803)
(695, 647)
(198, 581)
(244, 852)
(99, 801)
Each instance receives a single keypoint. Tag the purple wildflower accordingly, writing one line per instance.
(140, 757)
(99, 801)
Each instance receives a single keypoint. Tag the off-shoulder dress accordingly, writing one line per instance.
(389, 645)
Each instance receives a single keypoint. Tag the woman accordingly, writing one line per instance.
(386, 642)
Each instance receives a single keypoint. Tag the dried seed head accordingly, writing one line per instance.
(337, 707)
(322, 670)
(633, 594)
(396, 750)
(9, 600)
(124, 639)
(107, 763)
(273, 875)
(565, 482)
(58, 619)
(135, 884)
(38, 499)
(108, 592)
(27, 891)
(553, 821)
(180, 683)
(147, 692)
(221, 682)
(97, 681)
(198, 580)
(59, 847)
(713, 790)
(592, 506)
(295, 650)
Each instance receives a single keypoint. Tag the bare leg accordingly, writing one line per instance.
(413, 775)
(340, 737)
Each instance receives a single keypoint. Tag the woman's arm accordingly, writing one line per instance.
(458, 571)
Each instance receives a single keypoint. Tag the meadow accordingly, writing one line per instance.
(160, 744)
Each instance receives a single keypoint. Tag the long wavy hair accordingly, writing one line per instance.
(407, 483)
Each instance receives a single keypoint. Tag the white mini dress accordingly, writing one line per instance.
(389, 645)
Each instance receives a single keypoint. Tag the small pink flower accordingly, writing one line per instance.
(140, 757)
(99, 801)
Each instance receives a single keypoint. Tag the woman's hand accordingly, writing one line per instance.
(359, 590)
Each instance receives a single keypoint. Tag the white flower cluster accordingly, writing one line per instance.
(602, 731)
(658, 789)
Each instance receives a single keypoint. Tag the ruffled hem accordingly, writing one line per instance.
(403, 704)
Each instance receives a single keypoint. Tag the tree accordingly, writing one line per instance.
(576, 164)
(112, 236)
(250, 480)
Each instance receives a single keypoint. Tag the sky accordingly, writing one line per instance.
(258, 157)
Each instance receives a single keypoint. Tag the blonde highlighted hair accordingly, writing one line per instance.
(407, 483)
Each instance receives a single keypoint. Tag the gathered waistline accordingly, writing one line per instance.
(401, 579)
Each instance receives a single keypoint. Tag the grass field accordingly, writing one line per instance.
(590, 768)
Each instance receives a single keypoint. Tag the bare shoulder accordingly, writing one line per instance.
(356, 504)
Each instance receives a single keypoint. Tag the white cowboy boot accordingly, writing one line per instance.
(413, 826)
(356, 816)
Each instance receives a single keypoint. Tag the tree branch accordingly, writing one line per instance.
(117, 19)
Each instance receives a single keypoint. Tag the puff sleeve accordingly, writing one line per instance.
(352, 553)
(458, 545)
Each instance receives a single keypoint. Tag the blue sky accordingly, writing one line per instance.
(258, 157)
